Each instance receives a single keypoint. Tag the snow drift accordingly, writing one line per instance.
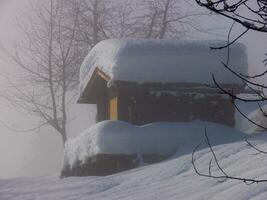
(256, 115)
(171, 180)
(162, 139)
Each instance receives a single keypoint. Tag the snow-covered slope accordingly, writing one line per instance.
(171, 180)
(163, 61)
(255, 114)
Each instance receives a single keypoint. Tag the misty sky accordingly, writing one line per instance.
(18, 151)
(33, 154)
(28, 154)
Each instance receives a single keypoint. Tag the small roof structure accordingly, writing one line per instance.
(143, 61)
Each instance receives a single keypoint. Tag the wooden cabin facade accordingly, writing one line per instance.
(140, 104)
(144, 81)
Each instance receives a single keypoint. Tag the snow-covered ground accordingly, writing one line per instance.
(171, 180)
(253, 112)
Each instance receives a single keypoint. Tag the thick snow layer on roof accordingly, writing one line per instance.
(163, 61)
(121, 138)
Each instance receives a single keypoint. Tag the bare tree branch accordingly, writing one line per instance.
(224, 175)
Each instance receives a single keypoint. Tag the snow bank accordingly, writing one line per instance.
(121, 138)
(253, 112)
(163, 61)
(171, 180)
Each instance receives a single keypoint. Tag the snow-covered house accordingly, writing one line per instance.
(142, 81)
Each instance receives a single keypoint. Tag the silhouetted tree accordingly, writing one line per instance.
(48, 60)
(57, 35)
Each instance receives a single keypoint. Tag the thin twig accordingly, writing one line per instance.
(224, 176)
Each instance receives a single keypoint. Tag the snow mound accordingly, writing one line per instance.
(171, 180)
(163, 61)
(122, 138)
(255, 114)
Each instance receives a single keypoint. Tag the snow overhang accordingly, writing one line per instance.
(162, 62)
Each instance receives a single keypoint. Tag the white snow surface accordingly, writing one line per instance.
(122, 138)
(171, 180)
(163, 61)
(253, 112)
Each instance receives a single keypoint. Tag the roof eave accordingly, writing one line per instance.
(87, 96)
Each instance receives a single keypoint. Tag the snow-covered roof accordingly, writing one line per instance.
(163, 61)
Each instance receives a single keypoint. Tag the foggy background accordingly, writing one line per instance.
(35, 154)
(28, 154)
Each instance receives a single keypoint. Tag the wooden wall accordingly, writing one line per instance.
(101, 95)
(142, 107)
(113, 105)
